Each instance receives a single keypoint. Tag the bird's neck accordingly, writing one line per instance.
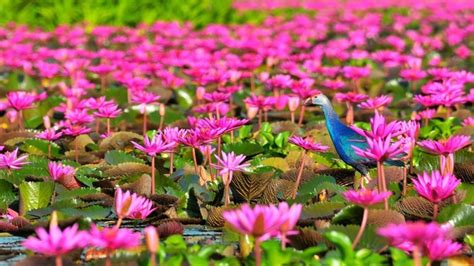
(329, 113)
(332, 119)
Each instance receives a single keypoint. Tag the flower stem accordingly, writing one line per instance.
(195, 161)
(76, 153)
(417, 256)
(59, 261)
(153, 259)
(435, 211)
(259, 118)
(49, 149)
(362, 227)
(283, 241)
(21, 123)
(119, 222)
(108, 262)
(227, 190)
(171, 162)
(144, 123)
(258, 253)
(405, 174)
(153, 170)
(381, 182)
(298, 178)
(292, 114)
(108, 126)
(300, 121)
(350, 114)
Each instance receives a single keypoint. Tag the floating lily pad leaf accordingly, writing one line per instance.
(163, 183)
(351, 214)
(457, 215)
(119, 140)
(321, 209)
(35, 195)
(246, 187)
(245, 148)
(118, 157)
(39, 146)
(184, 98)
(76, 193)
(276, 162)
(95, 212)
(245, 131)
(310, 186)
(86, 180)
(331, 187)
(7, 195)
(469, 188)
(369, 239)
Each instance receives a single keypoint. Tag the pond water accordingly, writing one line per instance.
(11, 250)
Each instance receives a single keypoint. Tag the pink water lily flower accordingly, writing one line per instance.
(435, 187)
(260, 222)
(56, 242)
(446, 149)
(58, 171)
(229, 163)
(377, 104)
(420, 238)
(380, 149)
(11, 161)
(307, 144)
(132, 206)
(49, 134)
(111, 239)
(21, 100)
(365, 198)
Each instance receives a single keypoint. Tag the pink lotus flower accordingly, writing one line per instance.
(292, 215)
(79, 116)
(365, 198)
(408, 235)
(420, 239)
(108, 111)
(228, 164)
(155, 146)
(144, 98)
(440, 249)
(11, 161)
(468, 122)
(58, 171)
(21, 100)
(49, 134)
(111, 239)
(307, 144)
(354, 73)
(75, 130)
(132, 206)
(56, 242)
(261, 222)
(380, 149)
(350, 97)
(380, 129)
(446, 149)
(377, 104)
(435, 187)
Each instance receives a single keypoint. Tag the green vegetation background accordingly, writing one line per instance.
(48, 14)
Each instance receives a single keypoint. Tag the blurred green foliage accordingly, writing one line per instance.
(48, 14)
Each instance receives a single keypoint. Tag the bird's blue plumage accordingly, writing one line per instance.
(344, 138)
